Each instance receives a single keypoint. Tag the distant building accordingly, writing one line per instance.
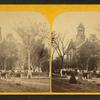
(81, 41)
(80, 37)
(74, 45)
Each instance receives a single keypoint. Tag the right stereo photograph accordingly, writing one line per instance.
(76, 52)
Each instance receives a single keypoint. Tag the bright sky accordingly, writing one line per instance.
(66, 24)
(10, 20)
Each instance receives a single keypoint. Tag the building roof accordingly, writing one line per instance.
(81, 25)
(71, 45)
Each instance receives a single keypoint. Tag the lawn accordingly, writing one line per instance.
(25, 85)
(62, 85)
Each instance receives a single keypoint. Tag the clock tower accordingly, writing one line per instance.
(80, 37)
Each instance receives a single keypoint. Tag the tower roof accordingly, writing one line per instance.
(81, 25)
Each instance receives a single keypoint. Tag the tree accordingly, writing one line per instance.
(56, 68)
(29, 39)
(44, 62)
(89, 53)
(40, 54)
(8, 55)
(59, 46)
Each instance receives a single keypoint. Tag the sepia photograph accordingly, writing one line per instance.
(24, 52)
(76, 52)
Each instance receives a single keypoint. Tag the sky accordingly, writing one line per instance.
(9, 21)
(66, 24)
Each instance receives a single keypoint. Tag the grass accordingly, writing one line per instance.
(62, 85)
(25, 85)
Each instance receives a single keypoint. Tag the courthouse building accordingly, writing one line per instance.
(75, 45)
(80, 42)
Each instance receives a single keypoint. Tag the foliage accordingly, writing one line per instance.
(89, 54)
(8, 55)
(32, 42)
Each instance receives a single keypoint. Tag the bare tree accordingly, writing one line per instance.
(59, 47)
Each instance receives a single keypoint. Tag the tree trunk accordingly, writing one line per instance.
(5, 64)
(62, 61)
(87, 67)
(29, 60)
(29, 75)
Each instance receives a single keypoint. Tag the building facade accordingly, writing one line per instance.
(75, 45)
(87, 49)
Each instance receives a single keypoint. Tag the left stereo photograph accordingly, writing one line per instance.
(24, 52)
